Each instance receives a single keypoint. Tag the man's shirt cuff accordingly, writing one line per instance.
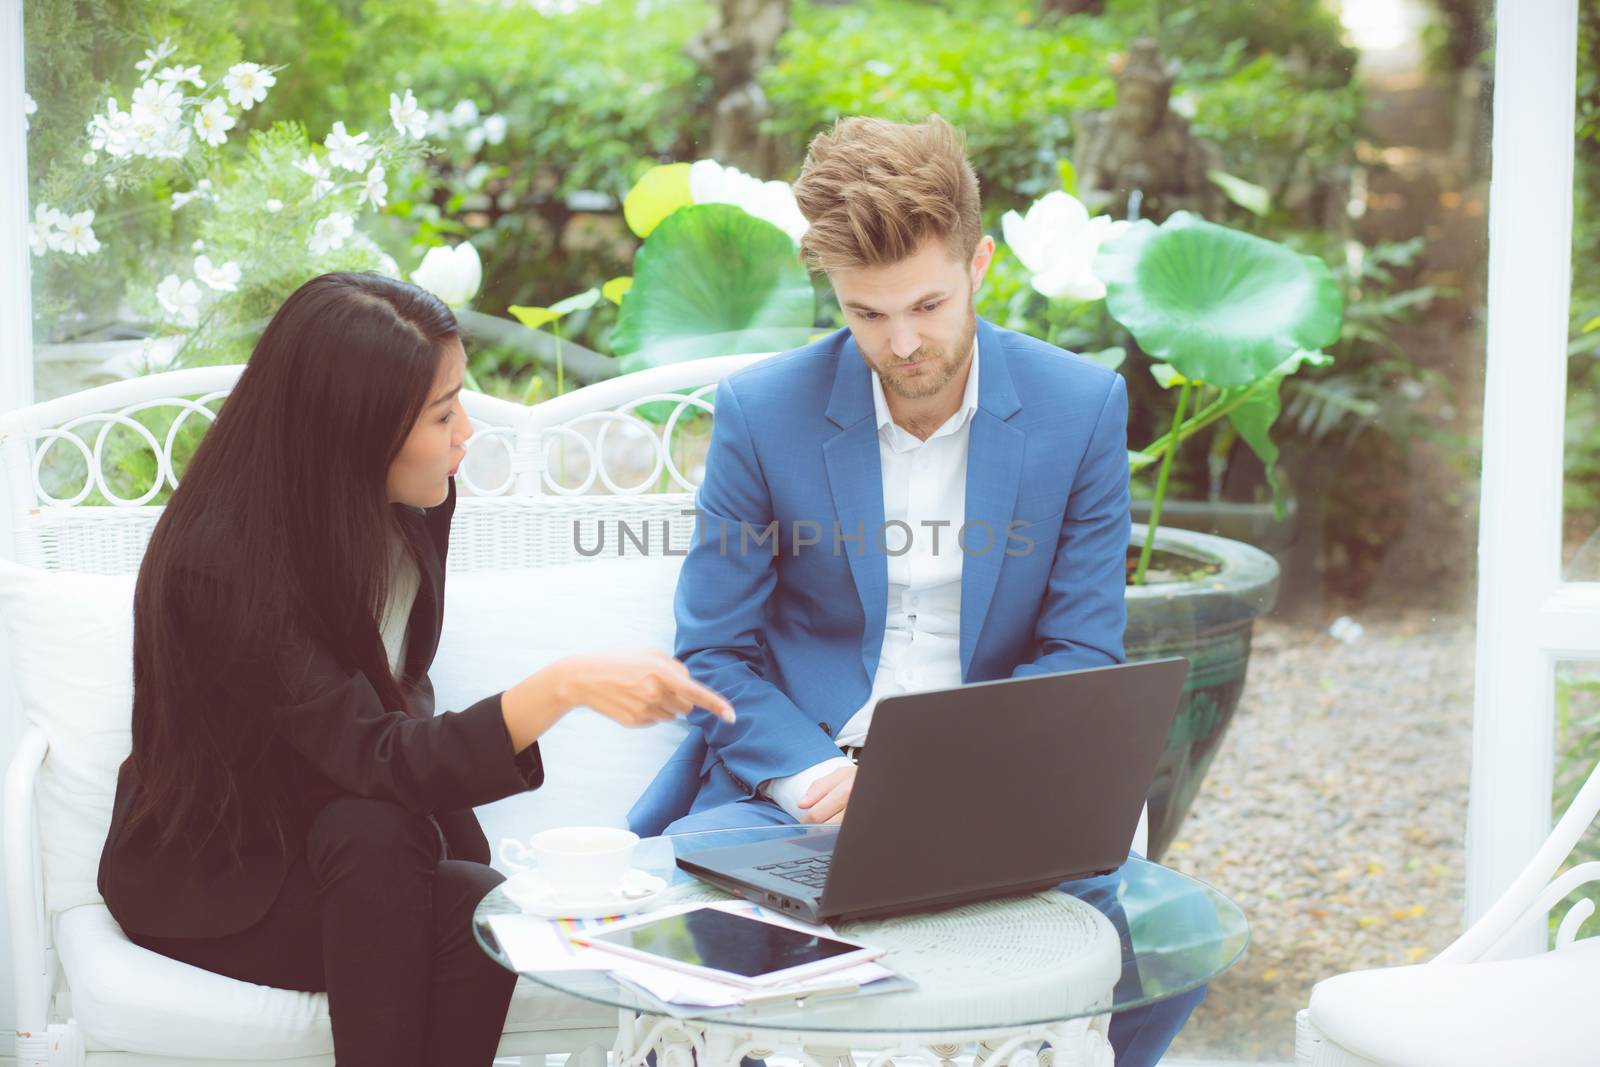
(787, 792)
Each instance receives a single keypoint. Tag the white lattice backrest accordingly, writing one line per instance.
(605, 470)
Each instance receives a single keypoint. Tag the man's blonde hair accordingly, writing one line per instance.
(874, 190)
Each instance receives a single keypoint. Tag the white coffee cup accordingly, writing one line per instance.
(574, 860)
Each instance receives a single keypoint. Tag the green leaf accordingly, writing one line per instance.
(713, 281)
(534, 317)
(617, 288)
(1222, 306)
(1166, 375)
(1254, 418)
(579, 302)
(1069, 176)
(1109, 358)
(663, 190)
(1592, 325)
(1248, 195)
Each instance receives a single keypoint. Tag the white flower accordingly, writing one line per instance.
(213, 122)
(180, 199)
(158, 104)
(180, 299)
(274, 205)
(1057, 242)
(112, 132)
(172, 143)
(451, 274)
(330, 232)
(1184, 104)
(74, 234)
(42, 230)
(182, 74)
(408, 118)
(89, 159)
(247, 84)
(152, 56)
(224, 277)
(464, 113)
(29, 107)
(438, 123)
(387, 266)
(347, 151)
(321, 177)
(197, 246)
(712, 183)
(493, 131)
(375, 191)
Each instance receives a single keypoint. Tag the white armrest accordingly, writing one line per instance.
(1529, 894)
(30, 966)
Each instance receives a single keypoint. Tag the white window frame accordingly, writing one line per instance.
(1528, 619)
(16, 311)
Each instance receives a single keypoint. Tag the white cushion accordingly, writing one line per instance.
(1536, 1010)
(501, 626)
(71, 639)
(129, 999)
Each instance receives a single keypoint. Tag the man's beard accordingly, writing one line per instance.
(942, 366)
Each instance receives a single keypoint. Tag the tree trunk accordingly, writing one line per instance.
(1048, 8)
(737, 44)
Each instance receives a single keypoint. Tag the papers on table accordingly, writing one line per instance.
(535, 945)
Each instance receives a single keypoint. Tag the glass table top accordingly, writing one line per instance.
(1148, 933)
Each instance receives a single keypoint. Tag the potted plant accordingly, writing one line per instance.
(1226, 317)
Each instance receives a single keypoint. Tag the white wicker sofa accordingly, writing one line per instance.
(540, 488)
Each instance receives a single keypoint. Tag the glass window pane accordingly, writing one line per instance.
(1335, 808)
(1330, 630)
(1581, 548)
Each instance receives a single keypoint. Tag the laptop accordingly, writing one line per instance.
(984, 790)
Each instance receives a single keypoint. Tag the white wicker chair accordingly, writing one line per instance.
(1473, 1005)
(519, 509)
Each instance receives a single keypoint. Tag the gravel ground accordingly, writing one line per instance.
(1334, 815)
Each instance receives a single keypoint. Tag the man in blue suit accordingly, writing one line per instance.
(916, 501)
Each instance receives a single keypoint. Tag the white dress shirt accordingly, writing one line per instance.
(396, 618)
(925, 489)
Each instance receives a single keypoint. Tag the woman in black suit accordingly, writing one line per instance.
(294, 813)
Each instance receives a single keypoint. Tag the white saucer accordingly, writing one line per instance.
(637, 891)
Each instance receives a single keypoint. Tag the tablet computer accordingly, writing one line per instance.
(730, 946)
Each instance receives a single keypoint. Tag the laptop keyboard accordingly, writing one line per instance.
(811, 872)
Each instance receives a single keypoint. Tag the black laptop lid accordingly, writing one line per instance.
(1002, 784)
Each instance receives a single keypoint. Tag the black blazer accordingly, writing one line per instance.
(335, 739)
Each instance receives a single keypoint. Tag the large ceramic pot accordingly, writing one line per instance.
(1252, 523)
(1207, 618)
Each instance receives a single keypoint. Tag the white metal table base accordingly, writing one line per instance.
(1082, 1042)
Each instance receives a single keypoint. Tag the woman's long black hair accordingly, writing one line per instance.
(279, 534)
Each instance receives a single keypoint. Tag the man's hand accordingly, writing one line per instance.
(826, 799)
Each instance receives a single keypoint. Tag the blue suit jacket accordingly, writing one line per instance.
(789, 625)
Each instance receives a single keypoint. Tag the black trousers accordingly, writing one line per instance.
(374, 916)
